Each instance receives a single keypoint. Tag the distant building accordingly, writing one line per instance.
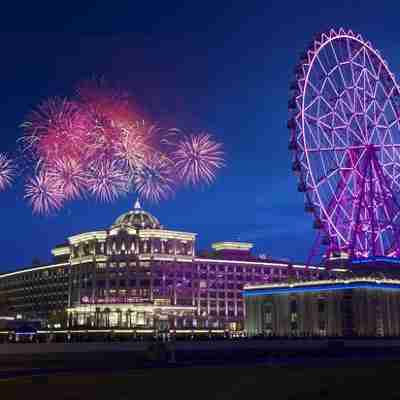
(137, 274)
(365, 303)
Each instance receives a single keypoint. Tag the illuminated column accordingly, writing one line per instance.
(128, 322)
(133, 247)
(163, 246)
(119, 318)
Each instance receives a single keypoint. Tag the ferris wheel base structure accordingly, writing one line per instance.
(344, 123)
(387, 267)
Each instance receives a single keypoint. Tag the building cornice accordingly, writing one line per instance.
(83, 237)
(321, 286)
(34, 269)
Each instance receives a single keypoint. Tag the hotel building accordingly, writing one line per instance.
(139, 275)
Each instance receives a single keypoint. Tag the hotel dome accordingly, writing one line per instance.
(137, 219)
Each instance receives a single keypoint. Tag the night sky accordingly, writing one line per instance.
(203, 65)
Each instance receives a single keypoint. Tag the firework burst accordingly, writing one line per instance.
(7, 171)
(58, 128)
(43, 193)
(70, 176)
(94, 145)
(107, 181)
(133, 148)
(197, 158)
(154, 180)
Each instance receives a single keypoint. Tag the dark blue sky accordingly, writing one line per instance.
(221, 66)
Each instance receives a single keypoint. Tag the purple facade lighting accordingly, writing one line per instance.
(344, 125)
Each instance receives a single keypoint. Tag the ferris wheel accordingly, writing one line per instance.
(344, 111)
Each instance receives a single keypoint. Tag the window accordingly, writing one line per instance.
(268, 317)
(321, 325)
(267, 271)
(293, 306)
(321, 305)
(144, 264)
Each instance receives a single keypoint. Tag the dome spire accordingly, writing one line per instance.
(137, 205)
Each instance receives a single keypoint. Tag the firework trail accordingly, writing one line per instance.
(7, 171)
(197, 159)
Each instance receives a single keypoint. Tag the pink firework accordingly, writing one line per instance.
(7, 171)
(154, 181)
(107, 181)
(94, 144)
(43, 193)
(70, 176)
(197, 158)
(106, 103)
(58, 128)
(132, 148)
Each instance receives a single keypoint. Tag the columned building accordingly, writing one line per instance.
(352, 306)
(138, 274)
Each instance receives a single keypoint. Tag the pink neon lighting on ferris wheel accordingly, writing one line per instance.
(345, 138)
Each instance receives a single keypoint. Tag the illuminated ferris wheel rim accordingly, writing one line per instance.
(326, 40)
(303, 84)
